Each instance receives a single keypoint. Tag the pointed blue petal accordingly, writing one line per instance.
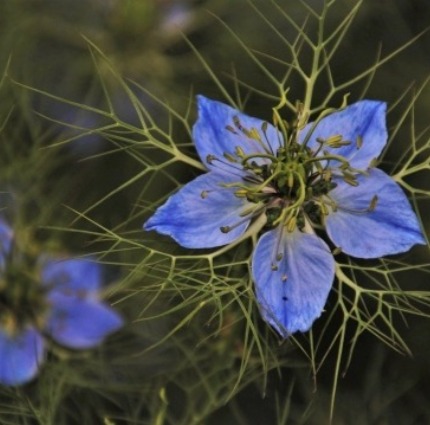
(194, 221)
(365, 119)
(294, 295)
(80, 323)
(20, 356)
(211, 136)
(77, 277)
(390, 229)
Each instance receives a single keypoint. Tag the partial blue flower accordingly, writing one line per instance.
(292, 290)
(301, 178)
(67, 309)
(21, 355)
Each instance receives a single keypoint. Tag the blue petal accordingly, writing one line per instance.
(194, 221)
(80, 323)
(390, 229)
(77, 277)
(365, 119)
(6, 237)
(211, 136)
(20, 356)
(294, 295)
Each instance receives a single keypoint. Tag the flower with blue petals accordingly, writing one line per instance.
(46, 300)
(301, 178)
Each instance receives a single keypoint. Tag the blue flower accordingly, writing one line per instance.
(60, 302)
(302, 178)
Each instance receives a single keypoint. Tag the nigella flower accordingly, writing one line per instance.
(301, 178)
(59, 302)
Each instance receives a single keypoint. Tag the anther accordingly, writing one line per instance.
(225, 229)
(274, 267)
(337, 142)
(373, 203)
(210, 159)
(237, 123)
(284, 278)
(241, 193)
(264, 127)
(359, 142)
(350, 181)
(204, 194)
(229, 157)
(239, 152)
(231, 129)
(333, 140)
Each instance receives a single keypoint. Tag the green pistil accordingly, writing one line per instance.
(288, 211)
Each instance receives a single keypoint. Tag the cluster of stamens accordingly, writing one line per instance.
(290, 185)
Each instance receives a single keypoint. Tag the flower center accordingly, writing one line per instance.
(290, 183)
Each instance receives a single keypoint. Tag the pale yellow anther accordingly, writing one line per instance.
(254, 134)
(241, 193)
(239, 151)
(291, 224)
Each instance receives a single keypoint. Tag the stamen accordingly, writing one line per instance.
(210, 158)
(239, 152)
(359, 142)
(246, 158)
(229, 157)
(350, 181)
(231, 129)
(259, 208)
(277, 254)
(256, 208)
(333, 140)
(241, 193)
(238, 125)
(373, 203)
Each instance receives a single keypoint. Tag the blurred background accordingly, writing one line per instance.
(53, 166)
